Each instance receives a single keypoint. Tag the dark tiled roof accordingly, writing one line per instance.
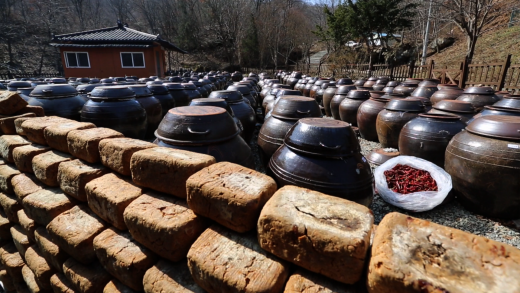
(110, 37)
(100, 45)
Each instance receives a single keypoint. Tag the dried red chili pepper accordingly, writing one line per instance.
(405, 179)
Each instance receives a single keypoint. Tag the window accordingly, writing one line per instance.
(132, 60)
(77, 60)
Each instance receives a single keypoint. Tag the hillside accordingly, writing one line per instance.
(493, 46)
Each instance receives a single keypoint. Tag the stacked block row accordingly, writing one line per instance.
(84, 209)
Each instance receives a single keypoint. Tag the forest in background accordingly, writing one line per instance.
(218, 33)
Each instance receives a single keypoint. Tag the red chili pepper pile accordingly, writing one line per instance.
(405, 179)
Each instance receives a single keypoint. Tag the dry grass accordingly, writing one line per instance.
(491, 47)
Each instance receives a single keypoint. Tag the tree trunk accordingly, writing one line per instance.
(41, 61)
(472, 42)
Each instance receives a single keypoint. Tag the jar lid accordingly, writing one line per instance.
(392, 83)
(501, 127)
(17, 84)
(480, 90)
(322, 137)
(215, 102)
(454, 106)
(158, 89)
(244, 89)
(187, 86)
(111, 93)
(379, 156)
(407, 105)
(228, 95)
(358, 95)
(295, 108)
(344, 89)
(54, 90)
(141, 91)
(344, 81)
(196, 125)
(107, 80)
(86, 88)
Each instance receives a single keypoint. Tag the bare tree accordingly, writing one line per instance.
(472, 17)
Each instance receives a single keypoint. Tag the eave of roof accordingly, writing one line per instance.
(101, 45)
(118, 36)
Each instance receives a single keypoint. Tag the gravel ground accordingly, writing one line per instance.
(450, 214)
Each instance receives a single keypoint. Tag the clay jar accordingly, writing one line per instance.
(324, 155)
(242, 110)
(341, 94)
(360, 82)
(349, 107)
(115, 107)
(321, 91)
(315, 87)
(286, 112)
(281, 92)
(246, 93)
(425, 91)
(484, 164)
(445, 93)
(406, 88)
(161, 93)
(221, 103)
(366, 117)
(496, 110)
(370, 82)
(151, 105)
(479, 96)
(391, 120)
(464, 110)
(327, 98)
(183, 93)
(428, 135)
(307, 89)
(57, 100)
(426, 102)
(206, 130)
(509, 101)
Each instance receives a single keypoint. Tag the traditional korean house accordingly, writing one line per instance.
(113, 51)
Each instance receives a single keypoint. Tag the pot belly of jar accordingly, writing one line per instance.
(129, 118)
(423, 146)
(349, 178)
(234, 150)
(485, 183)
(390, 125)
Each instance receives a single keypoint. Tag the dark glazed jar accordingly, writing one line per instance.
(366, 117)
(206, 130)
(464, 110)
(315, 87)
(221, 103)
(242, 110)
(151, 105)
(201, 88)
(509, 101)
(324, 155)
(479, 96)
(192, 92)
(246, 93)
(341, 94)
(426, 102)
(360, 82)
(25, 92)
(484, 164)
(349, 106)
(85, 89)
(494, 110)
(176, 90)
(285, 114)
(428, 135)
(424, 91)
(115, 107)
(406, 88)
(391, 120)
(57, 100)
(161, 93)
(328, 94)
(13, 86)
(445, 94)
(321, 91)
(307, 89)
(370, 82)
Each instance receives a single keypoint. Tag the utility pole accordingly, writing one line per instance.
(426, 35)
